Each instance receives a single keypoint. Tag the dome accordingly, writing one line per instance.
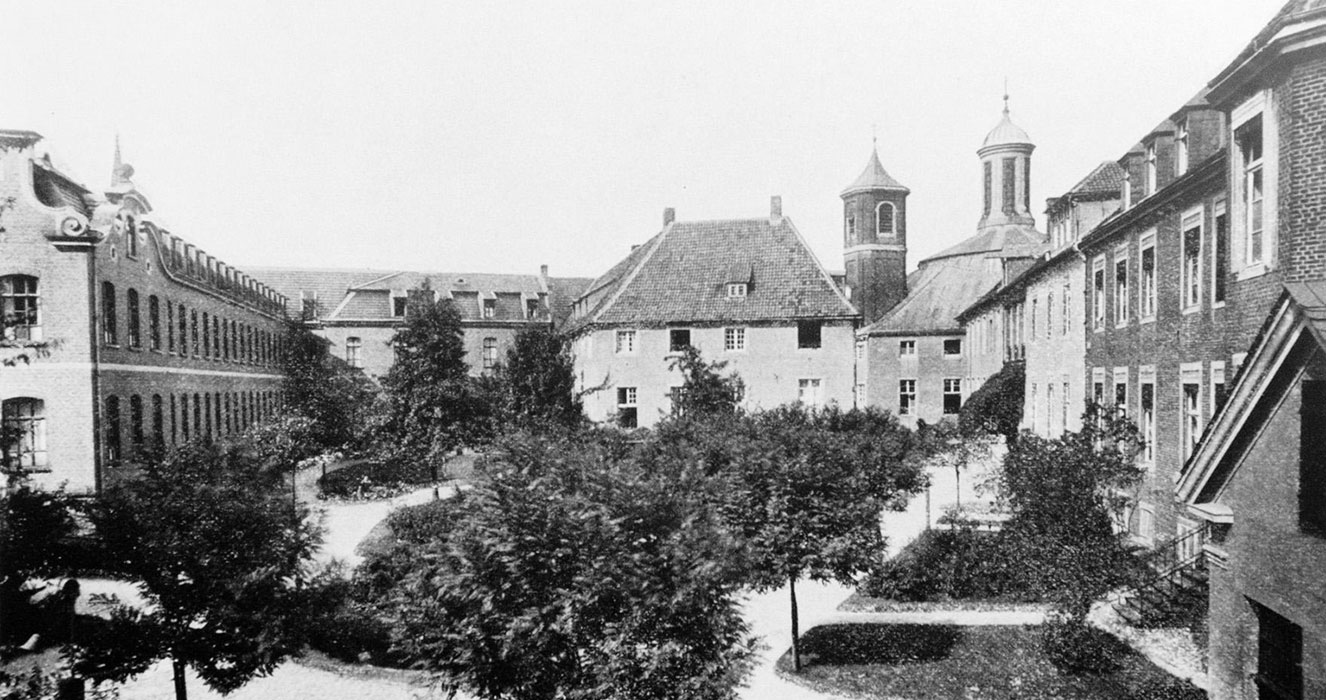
(1006, 133)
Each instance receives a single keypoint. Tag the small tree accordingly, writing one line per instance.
(705, 392)
(216, 549)
(538, 379)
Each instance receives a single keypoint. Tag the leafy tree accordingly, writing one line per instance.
(805, 490)
(946, 445)
(705, 392)
(35, 526)
(335, 397)
(430, 405)
(538, 379)
(996, 407)
(571, 571)
(216, 549)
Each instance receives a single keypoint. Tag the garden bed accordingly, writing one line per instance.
(948, 661)
(862, 603)
(379, 480)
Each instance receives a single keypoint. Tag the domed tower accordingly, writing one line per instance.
(1006, 172)
(875, 241)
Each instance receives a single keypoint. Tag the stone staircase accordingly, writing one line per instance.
(1177, 591)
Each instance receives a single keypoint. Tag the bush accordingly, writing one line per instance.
(1077, 647)
(960, 564)
(879, 644)
(373, 480)
(425, 522)
(342, 625)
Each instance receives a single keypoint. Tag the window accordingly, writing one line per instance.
(679, 339)
(1249, 140)
(989, 185)
(184, 327)
(885, 219)
(489, 308)
(1146, 523)
(216, 337)
(1009, 184)
(154, 323)
(1063, 399)
(352, 347)
(109, 322)
(1121, 391)
(626, 407)
(952, 346)
(808, 335)
(860, 350)
(197, 416)
(207, 335)
(308, 305)
(158, 425)
(1279, 656)
(207, 416)
(1147, 407)
(1219, 254)
(906, 397)
(626, 342)
(1121, 289)
(170, 328)
(184, 418)
(1312, 459)
(1151, 169)
(1146, 301)
(851, 224)
(112, 430)
(1066, 314)
(736, 290)
(1049, 315)
(531, 308)
(1035, 311)
(808, 392)
(136, 424)
(18, 308)
(1034, 404)
(489, 353)
(1218, 393)
(952, 396)
(1098, 386)
(907, 348)
(1049, 405)
(23, 442)
(1181, 147)
(1190, 282)
(1127, 189)
(1192, 416)
(1098, 294)
(734, 339)
(398, 303)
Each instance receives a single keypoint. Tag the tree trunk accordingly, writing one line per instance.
(181, 693)
(796, 642)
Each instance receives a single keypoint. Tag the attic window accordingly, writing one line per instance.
(736, 290)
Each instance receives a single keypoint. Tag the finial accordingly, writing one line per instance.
(1005, 95)
(874, 136)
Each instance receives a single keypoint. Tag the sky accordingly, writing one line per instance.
(497, 137)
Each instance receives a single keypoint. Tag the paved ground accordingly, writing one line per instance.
(768, 613)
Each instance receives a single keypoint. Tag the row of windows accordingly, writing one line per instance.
(809, 392)
(173, 329)
(810, 336)
(951, 392)
(907, 348)
(1201, 391)
(151, 424)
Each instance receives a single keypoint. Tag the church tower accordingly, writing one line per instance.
(1006, 171)
(875, 241)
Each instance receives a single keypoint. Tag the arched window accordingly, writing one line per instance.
(207, 336)
(352, 345)
(135, 330)
(154, 323)
(18, 308)
(489, 353)
(886, 219)
(109, 320)
(23, 434)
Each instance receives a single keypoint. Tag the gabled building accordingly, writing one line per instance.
(748, 292)
(150, 342)
(913, 356)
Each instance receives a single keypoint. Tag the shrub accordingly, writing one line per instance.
(371, 480)
(941, 565)
(342, 625)
(425, 522)
(879, 644)
(1166, 689)
(1077, 647)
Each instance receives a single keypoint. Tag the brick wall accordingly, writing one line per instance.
(929, 367)
(1301, 115)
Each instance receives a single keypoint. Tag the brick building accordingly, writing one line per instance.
(745, 291)
(358, 311)
(151, 342)
(913, 359)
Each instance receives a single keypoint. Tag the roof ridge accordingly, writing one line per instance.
(634, 272)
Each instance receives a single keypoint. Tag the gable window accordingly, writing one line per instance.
(1279, 656)
(1312, 459)
(18, 308)
(1181, 148)
(1219, 253)
(489, 308)
(1121, 288)
(23, 446)
(625, 342)
(679, 339)
(907, 348)
(626, 407)
(906, 397)
(1098, 294)
(1190, 283)
(808, 392)
(885, 219)
(808, 335)
(1249, 140)
(489, 353)
(1147, 294)
(734, 339)
(352, 347)
(736, 290)
(1151, 169)
(952, 396)
(109, 322)
(952, 347)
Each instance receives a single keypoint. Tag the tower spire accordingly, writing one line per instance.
(115, 167)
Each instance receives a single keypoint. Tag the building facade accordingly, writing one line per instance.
(748, 292)
(136, 340)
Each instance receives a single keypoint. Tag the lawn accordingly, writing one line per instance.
(973, 663)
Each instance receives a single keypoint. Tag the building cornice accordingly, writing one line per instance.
(1209, 172)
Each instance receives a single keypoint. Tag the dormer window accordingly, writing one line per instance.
(489, 308)
(1181, 148)
(1151, 169)
(1127, 190)
(885, 219)
(398, 304)
(737, 290)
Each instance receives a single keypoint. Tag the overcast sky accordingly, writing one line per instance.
(494, 137)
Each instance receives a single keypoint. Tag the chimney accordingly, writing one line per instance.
(775, 209)
(669, 216)
(543, 277)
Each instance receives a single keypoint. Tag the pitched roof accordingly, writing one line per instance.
(938, 291)
(681, 275)
(1106, 178)
(1009, 240)
(562, 292)
(874, 177)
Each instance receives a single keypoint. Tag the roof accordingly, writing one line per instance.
(1001, 292)
(562, 293)
(874, 177)
(937, 292)
(1007, 240)
(1107, 178)
(1006, 133)
(18, 138)
(681, 274)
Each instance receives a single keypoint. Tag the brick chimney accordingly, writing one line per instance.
(775, 209)
(669, 216)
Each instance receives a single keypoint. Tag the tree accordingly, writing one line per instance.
(335, 397)
(574, 572)
(35, 527)
(705, 392)
(430, 406)
(996, 407)
(538, 379)
(806, 489)
(216, 549)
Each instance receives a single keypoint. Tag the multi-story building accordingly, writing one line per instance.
(748, 292)
(137, 340)
(913, 359)
(358, 311)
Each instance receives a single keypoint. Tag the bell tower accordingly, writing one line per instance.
(1006, 175)
(875, 240)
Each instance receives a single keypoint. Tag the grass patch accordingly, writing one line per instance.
(947, 661)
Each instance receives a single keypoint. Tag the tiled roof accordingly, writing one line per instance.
(937, 292)
(1107, 178)
(680, 275)
(874, 177)
(562, 292)
(457, 281)
(330, 285)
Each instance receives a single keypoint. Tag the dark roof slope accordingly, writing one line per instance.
(938, 291)
(1106, 179)
(1007, 240)
(562, 293)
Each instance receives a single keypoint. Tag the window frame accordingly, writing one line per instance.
(1122, 310)
(947, 352)
(737, 290)
(11, 298)
(353, 346)
(1098, 310)
(906, 397)
(734, 339)
(1190, 411)
(1190, 280)
(815, 383)
(808, 340)
(1147, 289)
(673, 346)
(625, 341)
(26, 417)
(893, 220)
(907, 348)
(951, 390)
(628, 403)
(1220, 241)
(1146, 379)
(1152, 169)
